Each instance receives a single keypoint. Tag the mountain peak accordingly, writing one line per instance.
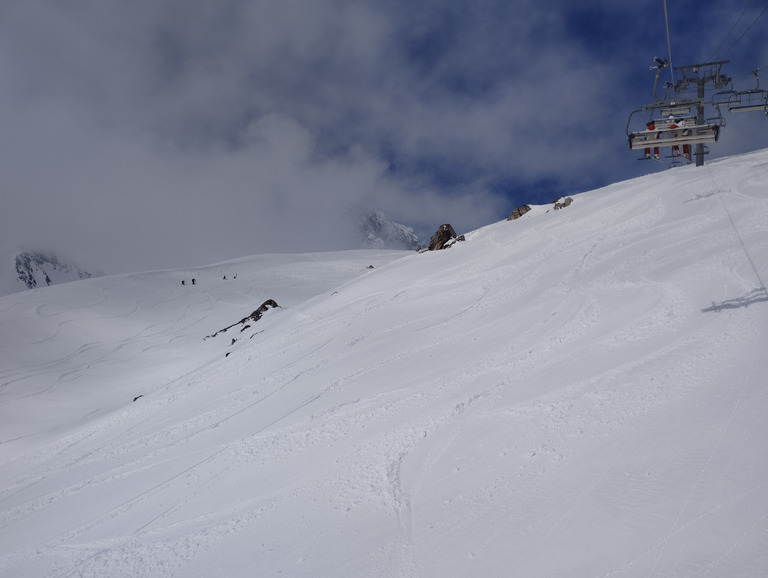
(24, 268)
(378, 232)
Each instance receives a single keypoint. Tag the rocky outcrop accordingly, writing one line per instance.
(442, 237)
(255, 316)
(558, 203)
(34, 269)
(519, 212)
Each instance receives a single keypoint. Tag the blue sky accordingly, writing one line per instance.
(162, 133)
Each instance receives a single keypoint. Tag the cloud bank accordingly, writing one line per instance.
(162, 133)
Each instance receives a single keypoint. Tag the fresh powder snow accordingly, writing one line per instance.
(578, 392)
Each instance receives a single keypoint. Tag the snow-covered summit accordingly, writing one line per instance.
(378, 232)
(23, 268)
(578, 392)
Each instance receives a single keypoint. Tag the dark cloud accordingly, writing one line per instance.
(161, 133)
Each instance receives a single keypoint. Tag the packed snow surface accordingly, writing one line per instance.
(579, 392)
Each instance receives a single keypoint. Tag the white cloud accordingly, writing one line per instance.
(156, 133)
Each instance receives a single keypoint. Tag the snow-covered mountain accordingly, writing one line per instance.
(22, 268)
(378, 232)
(578, 392)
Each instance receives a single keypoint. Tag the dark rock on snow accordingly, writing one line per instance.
(442, 237)
(519, 212)
(255, 316)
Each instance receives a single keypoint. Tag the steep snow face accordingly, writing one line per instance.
(378, 232)
(574, 393)
(26, 269)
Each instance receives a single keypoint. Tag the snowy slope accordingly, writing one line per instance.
(575, 393)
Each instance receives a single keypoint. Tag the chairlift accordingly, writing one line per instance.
(743, 100)
(749, 100)
(717, 120)
(674, 124)
(675, 121)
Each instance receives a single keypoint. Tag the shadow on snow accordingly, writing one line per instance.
(754, 296)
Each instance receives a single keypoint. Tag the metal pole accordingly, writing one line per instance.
(700, 120)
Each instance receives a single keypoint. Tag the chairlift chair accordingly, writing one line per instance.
(663, 134)
(748, 100)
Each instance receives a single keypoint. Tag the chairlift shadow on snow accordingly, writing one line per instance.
(701, 196)
(754, 296)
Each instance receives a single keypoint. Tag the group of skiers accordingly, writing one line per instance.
(676, 128)
(184, 282)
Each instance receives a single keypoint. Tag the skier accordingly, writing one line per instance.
(673, 124)
(651, 126)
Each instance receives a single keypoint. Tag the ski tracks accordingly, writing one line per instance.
(705, 473)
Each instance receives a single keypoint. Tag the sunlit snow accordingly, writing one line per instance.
(579, 392)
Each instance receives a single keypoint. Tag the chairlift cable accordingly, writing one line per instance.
(746, 74)
(735, 24)
(743, 34)
(669, 45)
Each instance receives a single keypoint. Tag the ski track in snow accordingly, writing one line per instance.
(575, 393)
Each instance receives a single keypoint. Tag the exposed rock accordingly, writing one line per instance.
(561, 203)
(33, 268)
(442, 237)
(255, 316)
(519, 212)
